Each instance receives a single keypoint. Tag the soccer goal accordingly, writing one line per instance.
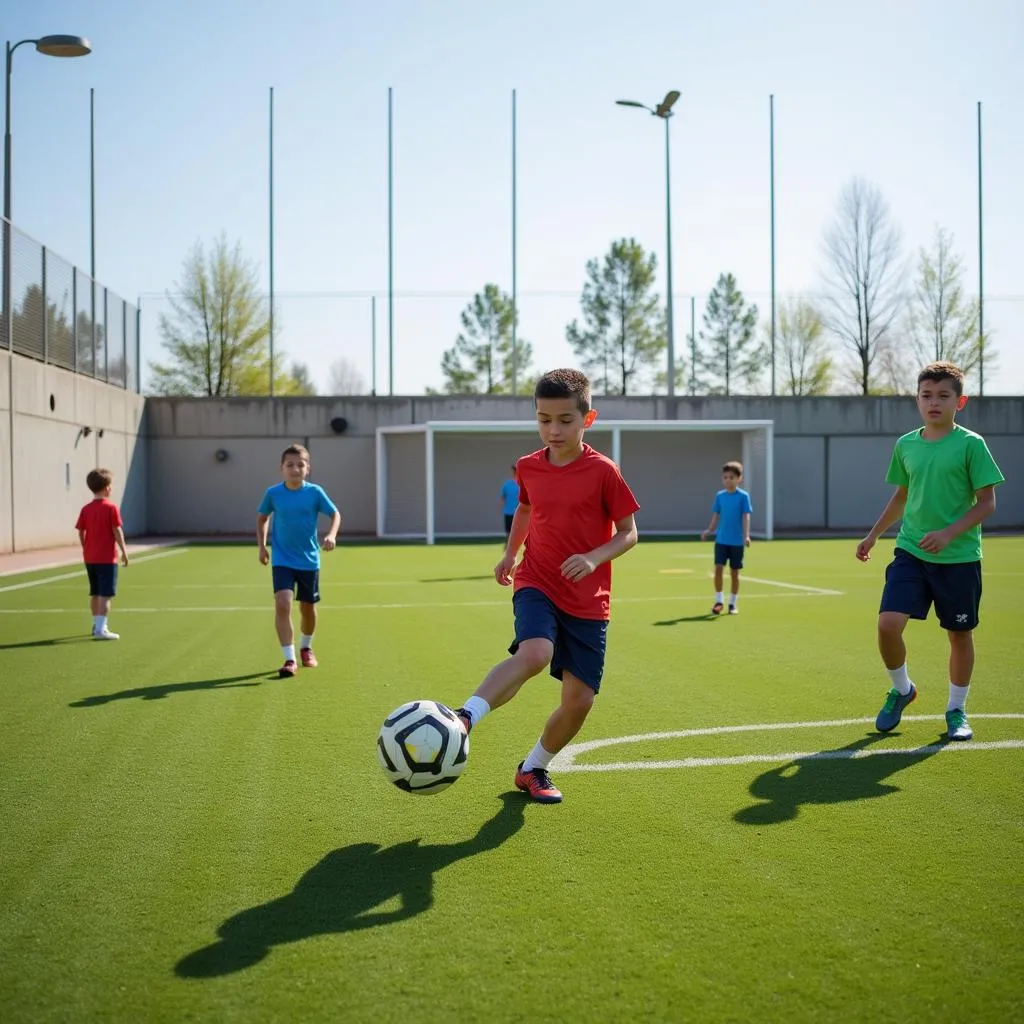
(442, 478)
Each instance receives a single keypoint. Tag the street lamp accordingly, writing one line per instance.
(664, 111)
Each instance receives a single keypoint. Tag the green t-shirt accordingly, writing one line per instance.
(941, 478)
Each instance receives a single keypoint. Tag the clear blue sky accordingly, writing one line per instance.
(886, 90)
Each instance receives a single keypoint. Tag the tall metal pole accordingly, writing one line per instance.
(391, 249)
(668, 266)
(981, 274)
(270, 235)
(771, 189)
(515, 304)
(693, 345)
(8, 278)
(92, 184)
(373, 344)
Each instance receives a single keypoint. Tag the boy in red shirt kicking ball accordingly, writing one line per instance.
(575, 515)
(101, 535)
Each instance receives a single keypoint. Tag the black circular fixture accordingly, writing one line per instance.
(339, 424)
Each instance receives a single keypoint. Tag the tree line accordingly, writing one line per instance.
(877, 318)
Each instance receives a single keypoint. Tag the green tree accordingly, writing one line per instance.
(480, 361)
(729, 352)
(942, 321)
(623, 332)
(218, 335)
(803, 363)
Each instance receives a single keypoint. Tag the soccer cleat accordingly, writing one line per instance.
(892, 710)
(464, 720)
(957, 727)
(716, 608)
(287, 670)
(308, 658)
(537, 784)
(105, 634)
(733, 610)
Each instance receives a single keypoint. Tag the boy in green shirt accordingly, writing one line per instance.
(945, 481)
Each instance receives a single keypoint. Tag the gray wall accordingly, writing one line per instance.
(42, 484)
(830, 458)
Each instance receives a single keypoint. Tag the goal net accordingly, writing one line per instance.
(442, 479)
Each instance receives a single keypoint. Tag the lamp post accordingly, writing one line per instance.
(51, 46)
(664, 111)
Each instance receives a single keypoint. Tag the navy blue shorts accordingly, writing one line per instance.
(729, 553)
(102, 578)
(306, 581)
(579, 643)
(913, 585)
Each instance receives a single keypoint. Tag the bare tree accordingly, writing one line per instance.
(864, 275)
(343, 378)
(803, 351)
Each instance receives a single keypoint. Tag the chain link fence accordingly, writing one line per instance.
(56, 313)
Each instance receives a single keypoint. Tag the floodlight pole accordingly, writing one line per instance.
(664, 111)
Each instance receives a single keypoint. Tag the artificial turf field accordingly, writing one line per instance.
(187, 838)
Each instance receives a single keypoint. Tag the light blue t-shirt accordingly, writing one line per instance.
(730, 509)
(293, 522)
(510, 496)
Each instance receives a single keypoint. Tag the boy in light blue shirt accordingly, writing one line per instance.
(293, 508)
(730, 522)
(509, 499)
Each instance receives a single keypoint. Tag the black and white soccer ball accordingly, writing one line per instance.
(422, 747)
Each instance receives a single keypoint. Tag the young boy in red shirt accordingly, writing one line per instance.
(101, 535)
(575, 515)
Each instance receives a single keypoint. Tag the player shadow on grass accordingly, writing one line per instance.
(161, 690)
(340, 894)
(53, 641)
(704, 617)
(830, 777)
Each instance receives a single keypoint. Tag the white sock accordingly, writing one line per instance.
(957, 697)
(900, 679)
(734, 599)
(718, 597)
(539, 758)
(476, 708)
(306, 641)
(289, 651)
(98, 622)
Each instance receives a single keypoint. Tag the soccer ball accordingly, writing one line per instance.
(422, 747)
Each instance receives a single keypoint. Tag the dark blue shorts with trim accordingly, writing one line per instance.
(305, 581)
(102, 578)
(579, 643)
(729, 553)
(913, 585)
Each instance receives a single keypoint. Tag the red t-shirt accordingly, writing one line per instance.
(574, 509)
(99, 519)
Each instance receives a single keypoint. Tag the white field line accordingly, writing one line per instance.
(507, 603)
(81, 572)
(821, 591)
(565, 761)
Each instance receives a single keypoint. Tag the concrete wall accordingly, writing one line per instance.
(45, 455)
(830, 457)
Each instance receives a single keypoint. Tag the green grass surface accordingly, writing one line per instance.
(186, 838)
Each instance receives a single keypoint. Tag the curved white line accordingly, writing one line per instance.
(565, 760)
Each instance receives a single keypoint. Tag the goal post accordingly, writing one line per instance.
(442, 479)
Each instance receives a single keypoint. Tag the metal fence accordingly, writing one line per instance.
(56, 313)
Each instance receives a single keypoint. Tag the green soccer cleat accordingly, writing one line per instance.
(957, 726)
(892, 710)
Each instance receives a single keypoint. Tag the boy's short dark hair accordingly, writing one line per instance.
(296, 449)
(99, 480)
(565, 383)
(733, 467)
(942, 370)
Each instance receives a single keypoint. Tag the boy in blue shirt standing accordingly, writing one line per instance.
(292, 508)
(730, 514)
(509, 500)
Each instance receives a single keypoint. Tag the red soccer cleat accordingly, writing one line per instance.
(308, 658)
(537, 784)
(717, 607)
(464, 720)
(287, 670)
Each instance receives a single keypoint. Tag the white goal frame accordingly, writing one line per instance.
(750, 429)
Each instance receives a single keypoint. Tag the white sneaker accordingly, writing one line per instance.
(105, 634)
